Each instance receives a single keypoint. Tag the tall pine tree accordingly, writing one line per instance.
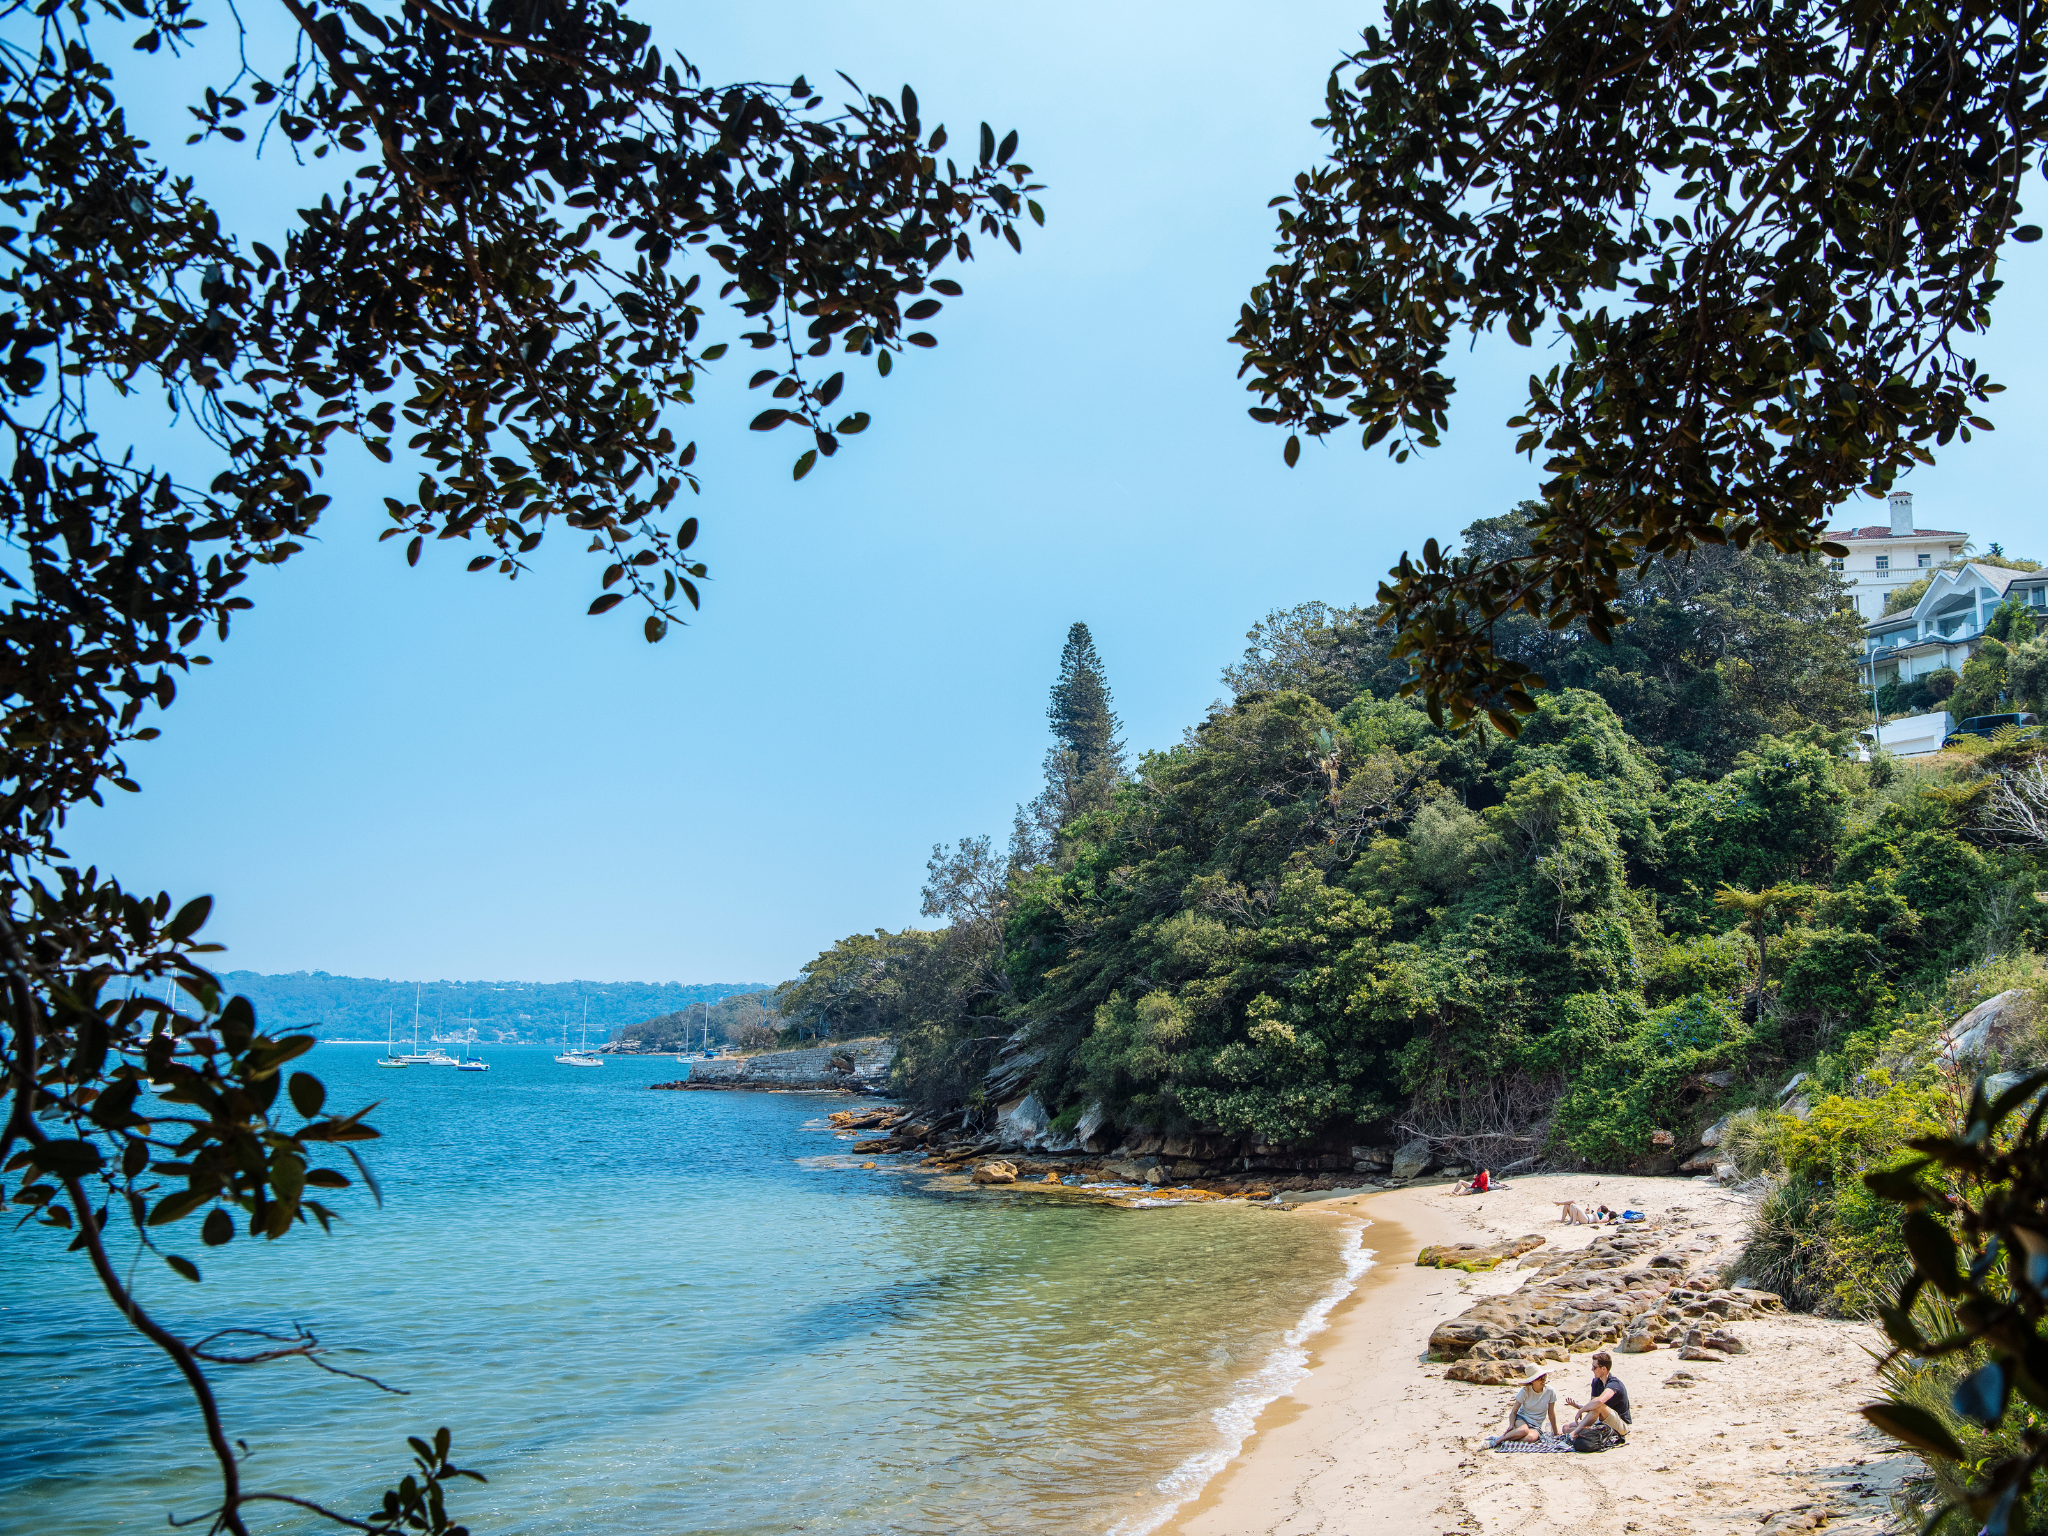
(1082, 721)
(1086, 761)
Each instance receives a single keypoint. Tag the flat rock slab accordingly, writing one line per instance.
(1474, 1258)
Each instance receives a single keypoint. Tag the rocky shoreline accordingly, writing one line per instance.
(1629, 1288)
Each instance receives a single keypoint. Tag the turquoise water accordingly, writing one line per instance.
(674, 1312)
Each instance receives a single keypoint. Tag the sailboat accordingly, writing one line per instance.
(583, 1055)
(391, 1057)
(471, 1063)
(434, 1058)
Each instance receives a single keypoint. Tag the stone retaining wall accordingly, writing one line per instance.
(859, 1065)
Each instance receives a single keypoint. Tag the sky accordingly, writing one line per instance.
(421, 774)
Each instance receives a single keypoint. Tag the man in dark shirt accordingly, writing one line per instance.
(1608, 1403)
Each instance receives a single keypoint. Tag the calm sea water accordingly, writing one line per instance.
(671, 1313)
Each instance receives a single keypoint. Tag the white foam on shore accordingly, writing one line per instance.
(1283, 1370)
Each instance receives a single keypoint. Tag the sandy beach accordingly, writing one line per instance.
(1376, 1440)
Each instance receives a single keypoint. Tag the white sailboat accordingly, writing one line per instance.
(583, 1055)
(434, 1058)
(391, 1057)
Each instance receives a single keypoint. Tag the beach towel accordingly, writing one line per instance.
(1547, 1444)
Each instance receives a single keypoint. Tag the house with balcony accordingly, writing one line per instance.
(1885, 557)
(1943, 629)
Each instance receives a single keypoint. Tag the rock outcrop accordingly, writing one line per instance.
(1411, 1161)
(1620, 1290)
(861, 1066)
(1983, 1029)
(1476, 1257)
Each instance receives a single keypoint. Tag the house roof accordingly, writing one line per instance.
(1951, 591)
(1882, 531)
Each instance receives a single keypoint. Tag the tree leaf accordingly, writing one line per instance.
(308, 1093)
(1915, 1427)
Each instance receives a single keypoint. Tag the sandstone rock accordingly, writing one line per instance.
(1695, 1352)
(1699, 1162)
(1185, 1170)
(1791, 1520)
(995, 1172)
(1798, 1107)
(1638, 1344)
(1763, 1301)
(1475, 1257)
(1411, 1160)
(1722, 1079)
(1797, 1079)
(1089, 1129)
(1050, 1178)
(1727, 1343)
(1155, 1176)
(867, 1165)
(1727, 1173)
(1682, 1379)
(1490, 1373)
(1970, 1038)
(1365, 1159)
(1714, 1134)
(1663, 1140)
(1021, 1121)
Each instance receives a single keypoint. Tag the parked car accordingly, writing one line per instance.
(1988, 726)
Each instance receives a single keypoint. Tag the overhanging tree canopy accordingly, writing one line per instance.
(1766, 232)
(505, 280)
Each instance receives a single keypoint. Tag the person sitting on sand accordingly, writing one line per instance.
(1608, 1402)
(1526, 1412)
(1477, 1185)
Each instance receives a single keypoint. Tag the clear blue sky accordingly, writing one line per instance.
(423, 774)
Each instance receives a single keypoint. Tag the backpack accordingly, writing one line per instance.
(1594, 1437)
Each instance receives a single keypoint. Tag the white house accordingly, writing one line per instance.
(1944, 627)
(1882, 559)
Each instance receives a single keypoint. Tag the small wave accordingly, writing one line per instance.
(1285, 1368)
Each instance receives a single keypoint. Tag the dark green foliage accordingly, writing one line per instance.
(1765, 235)
(1775, 819)
(1331, 654)
(1085, 762)
(1082, 721)
(1639, 1082)
(1923, 695)
(1716, 964)
(505, 280)
(1974, 1229)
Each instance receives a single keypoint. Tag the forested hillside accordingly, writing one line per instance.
(1319, 911)
(359, 1007)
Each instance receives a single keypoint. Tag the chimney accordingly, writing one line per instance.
(1901, 504)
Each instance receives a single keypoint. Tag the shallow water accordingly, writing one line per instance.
(675, 1312)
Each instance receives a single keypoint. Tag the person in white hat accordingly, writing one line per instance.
(1526, 1413)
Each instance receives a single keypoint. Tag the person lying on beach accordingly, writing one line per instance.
(1570, 1212)
(1608, 1402)
(1526, 1412)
